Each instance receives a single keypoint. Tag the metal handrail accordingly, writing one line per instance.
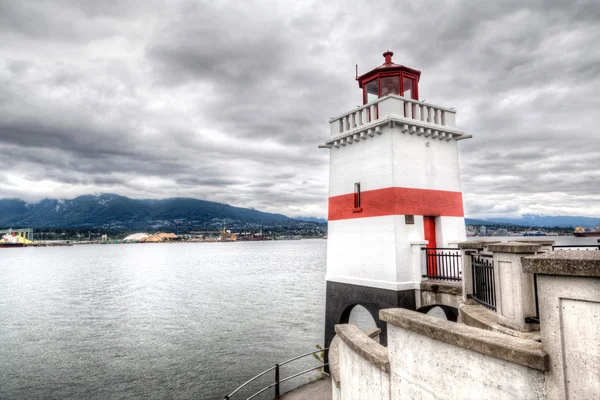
(247, 382)
(303, 355)
(303, 372)
(277, 380)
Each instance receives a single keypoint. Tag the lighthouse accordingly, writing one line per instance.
(394, 188)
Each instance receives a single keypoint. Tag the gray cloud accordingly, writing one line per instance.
(226, 101)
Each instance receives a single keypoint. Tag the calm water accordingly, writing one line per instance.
(155, 321)
(159, 321)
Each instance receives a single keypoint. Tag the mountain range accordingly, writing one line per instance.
(111, 211)
(534, 220)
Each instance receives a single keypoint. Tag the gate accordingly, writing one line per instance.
(484, 290)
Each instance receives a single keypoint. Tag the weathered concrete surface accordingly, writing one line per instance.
(515, 294)
(515, 247)
(478, 316)
(471, 244)
(334, 356)
(519, 351)
(361, 378)
(453, 288)
(564, 262)
(318, 390)
(426, 368)
(359, 342)
(570, 328)
(334, 361)
(541, 242)
(440, 293)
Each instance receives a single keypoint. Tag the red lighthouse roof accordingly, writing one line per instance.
(396, 78)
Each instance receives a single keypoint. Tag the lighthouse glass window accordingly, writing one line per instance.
(390, 85)
(408, 87)
(371, 90)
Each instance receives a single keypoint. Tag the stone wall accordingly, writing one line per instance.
(568, 285)
(431, 358)
(436, 359)
(363, 367)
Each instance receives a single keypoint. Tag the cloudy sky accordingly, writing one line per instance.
(228, 100)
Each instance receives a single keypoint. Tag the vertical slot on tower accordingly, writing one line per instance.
(357, 195)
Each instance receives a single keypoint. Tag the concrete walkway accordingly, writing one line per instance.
(318, 390)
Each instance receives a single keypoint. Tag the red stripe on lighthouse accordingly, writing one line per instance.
(397, 201)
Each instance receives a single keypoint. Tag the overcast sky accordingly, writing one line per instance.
(228, 100)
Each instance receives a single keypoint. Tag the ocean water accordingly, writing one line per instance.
(161, 321)
(157, 321)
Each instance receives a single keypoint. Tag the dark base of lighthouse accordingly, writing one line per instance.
(342, 297)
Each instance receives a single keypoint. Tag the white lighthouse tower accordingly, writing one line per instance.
(394, 186)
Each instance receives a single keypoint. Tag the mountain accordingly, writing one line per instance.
(312, 219)
(471, 221)
(119, 212)
(541, 221)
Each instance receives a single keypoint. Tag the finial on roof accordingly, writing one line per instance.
(388, 56)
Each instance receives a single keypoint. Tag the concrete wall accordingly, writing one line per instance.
(425, 163)
(375, 252)
(569, 303)
(393, 158)
(363, 366)
(435, 359)
(368, 162)
(428, 358)
(515, 295)
(360, 379)
(570, 308)
(422, 367)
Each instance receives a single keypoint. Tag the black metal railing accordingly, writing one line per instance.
(278, 381)
(577, 247)
(443, 263)
(484, 290)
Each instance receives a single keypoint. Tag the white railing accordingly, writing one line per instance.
(399, 107)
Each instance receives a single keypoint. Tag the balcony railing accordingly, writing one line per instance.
(443, 264)
(418, 117)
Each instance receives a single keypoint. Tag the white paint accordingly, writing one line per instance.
(359, 379)
(570, 329)
(427, 115)
(375, 252)
(394, 151)
(450, 231)
(369, 163)
(426, 368)
(394, 159)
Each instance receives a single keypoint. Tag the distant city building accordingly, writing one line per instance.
(502, 232)
(482, 230)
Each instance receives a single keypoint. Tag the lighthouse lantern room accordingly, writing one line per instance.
(394, 187)
(389, 78)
